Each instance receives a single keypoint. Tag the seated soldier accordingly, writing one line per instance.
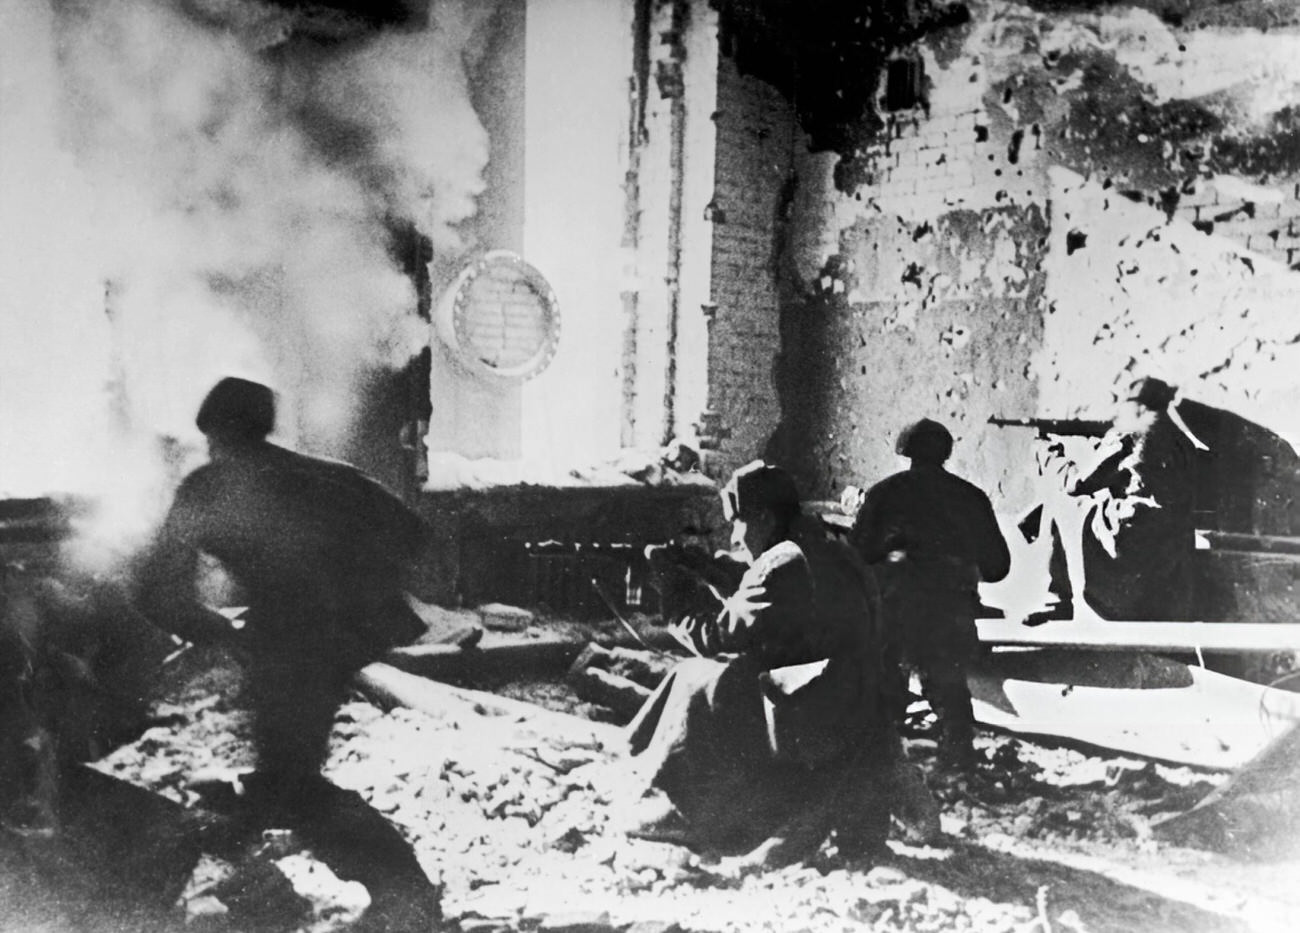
(777, 735)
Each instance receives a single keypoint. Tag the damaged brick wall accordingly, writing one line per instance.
(1132, 291)
(1079, 197)
(755, 146)
(907, 320)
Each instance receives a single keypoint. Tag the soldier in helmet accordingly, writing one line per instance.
(319, 551)
(1138, 532)
(776, 735)
(932, 537)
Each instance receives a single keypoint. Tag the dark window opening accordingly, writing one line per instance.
(904, 78)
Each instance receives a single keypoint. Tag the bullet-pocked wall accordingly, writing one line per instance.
(750, 213)
(1059, 200)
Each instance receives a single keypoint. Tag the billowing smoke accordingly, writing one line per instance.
(187, 191)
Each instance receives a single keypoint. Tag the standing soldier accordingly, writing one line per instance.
(932, 537)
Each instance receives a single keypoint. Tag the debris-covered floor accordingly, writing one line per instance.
(512, 809)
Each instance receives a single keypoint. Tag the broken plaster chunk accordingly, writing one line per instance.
(204, 909)
(342, 901)
(576, 922)
(485, 925)
(502, 618)
(883, 875)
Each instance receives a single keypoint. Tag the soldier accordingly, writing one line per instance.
(319, 550)
(932, 537)
(777, 735)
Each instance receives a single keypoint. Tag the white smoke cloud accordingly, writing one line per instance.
(409, 93)
(232, 198)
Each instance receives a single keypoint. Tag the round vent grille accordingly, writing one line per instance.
(500, 318)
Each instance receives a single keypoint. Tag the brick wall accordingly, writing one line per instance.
(1264, 220)
(754, 127)
(926, 297)
(1144, 293)
(1087, 197)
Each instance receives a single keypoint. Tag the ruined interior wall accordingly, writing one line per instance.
(946, 328)
(752, 182)
(960, 265)
(1146, 294)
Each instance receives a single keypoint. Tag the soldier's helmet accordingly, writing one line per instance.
(1151, 393)
(756, 486)
(238, 408)
(924, 440)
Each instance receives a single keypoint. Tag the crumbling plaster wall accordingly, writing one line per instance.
(1085, 197)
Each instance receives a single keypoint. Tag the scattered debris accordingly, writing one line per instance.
(502, 618)
(510, 808)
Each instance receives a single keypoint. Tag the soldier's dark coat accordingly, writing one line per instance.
(932, 537)
(786, 715)
(319, 551)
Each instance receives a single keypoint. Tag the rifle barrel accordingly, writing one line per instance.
(1079, 427)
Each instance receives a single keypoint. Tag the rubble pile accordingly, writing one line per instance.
(518, 823)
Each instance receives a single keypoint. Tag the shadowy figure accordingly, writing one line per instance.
(77, 666)
(320, 552)
(931, 537)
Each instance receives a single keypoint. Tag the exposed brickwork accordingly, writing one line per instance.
(1265, 222)
(755, 127)
(1026, 244)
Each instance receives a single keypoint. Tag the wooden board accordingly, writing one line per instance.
(1143, 636)
(1135, 704)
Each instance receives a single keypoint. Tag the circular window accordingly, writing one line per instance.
(500, 318)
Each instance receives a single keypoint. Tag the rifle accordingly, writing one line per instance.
(1065, 427)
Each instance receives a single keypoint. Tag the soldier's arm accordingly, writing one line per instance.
(767, 610)
(869, 536)
(167, 583)
(1111, 473)
(993, 555)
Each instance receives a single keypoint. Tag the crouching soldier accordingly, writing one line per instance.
(319, 551)
(777, 735)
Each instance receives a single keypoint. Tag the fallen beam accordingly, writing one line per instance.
(515, 658)
(608, 689)
(502, 662)
(1136, 704)
(388, 687)
(1143, 636)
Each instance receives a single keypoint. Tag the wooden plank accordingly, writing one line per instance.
(1267, 544)
(453, 664)
(506, 657)
(481, 715)
(1135, 704)
(1143, 636)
